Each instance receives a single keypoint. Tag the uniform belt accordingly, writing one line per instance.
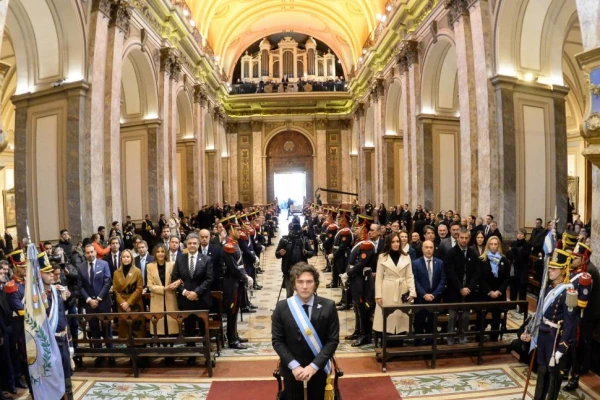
(550, 323)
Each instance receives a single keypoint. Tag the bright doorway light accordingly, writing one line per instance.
(290, 185)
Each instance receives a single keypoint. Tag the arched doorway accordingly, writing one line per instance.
(289, 152)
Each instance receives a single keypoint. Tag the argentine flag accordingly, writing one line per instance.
(43, 355)
(549, 242)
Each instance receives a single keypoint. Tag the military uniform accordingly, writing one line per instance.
(556, 331)
(331, 232)
(582, 283)
(342, 245)
(235, 274)
(360, 281)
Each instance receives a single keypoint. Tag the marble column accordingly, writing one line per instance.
(346, 166)
(378, 95)
(211, 172)
(321, 160)
(258, 181)
(469, 178)
(200, 104)
(234, 193)
(426, 145)
(169, 59)
(488, 143)
(588, 12)
(97, 51)
(171, 122)
(219, 126)
(117, 33)
(391, 176)
(505, 116)
(155, 132)
(361, 167)
(407, 133)
(560, 177)
(191, 175)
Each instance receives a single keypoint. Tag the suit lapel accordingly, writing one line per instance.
(316, 311)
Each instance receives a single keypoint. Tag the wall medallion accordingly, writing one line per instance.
(289, 146)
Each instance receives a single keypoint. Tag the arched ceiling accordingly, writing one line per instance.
(230, 26)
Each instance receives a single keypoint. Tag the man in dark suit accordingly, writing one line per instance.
(463, 279)
(296, 320)
(174, 249)
(95, 282)
(192, 276)
(430, 281)
(214, 252)
(449, 242)
(113, 258)
(143, 259)
(493, 231)
(7, 380)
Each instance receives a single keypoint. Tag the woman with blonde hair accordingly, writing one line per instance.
(494, 272)
(394, 285)
(128, 285)
(162, 298)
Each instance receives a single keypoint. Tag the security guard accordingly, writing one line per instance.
(557, 328)
(15, 293)
(582, 283)
(62, 331)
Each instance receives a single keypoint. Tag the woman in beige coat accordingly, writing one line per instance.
(128, 285)
(393, 279)
(162, 299)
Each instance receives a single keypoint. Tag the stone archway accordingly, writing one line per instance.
(289, 151)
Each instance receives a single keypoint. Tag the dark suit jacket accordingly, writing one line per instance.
(494, 233)
(461, 272)
(445, 246)
(422, 280)
(109, 259)
(138, 264)
(5, 314)
(179, 253)
(199, 283)
(289, 342)
(215, 253)
(488, 282)
(101, 283)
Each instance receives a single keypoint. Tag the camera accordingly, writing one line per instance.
(55, 258)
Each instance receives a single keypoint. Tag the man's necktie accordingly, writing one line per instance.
(91, 273)
(430, 273)
(305, 306)
(115, 265)
(192, 266)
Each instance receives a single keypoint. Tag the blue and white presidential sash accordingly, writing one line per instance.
(554, 293)
(307, 329)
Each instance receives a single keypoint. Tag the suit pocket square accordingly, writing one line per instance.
(99, 272)
(319, 306)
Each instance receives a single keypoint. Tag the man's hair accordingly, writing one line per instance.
(47, 242)
(165, 227)
(428, 228)
(539, 219)
(454, 223)
(491, 216)
(115, 223)
(3, 263)
(301, 267)
(95, 236)
(174, 237)
(464, 230)
(63, 231)
(101, 228)
(89, 245)
(114, 238)
(192, 236)
(143, 242)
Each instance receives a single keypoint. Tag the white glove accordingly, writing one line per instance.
(344, 278)
(249, 282)
(557, 356)
(330, 257)
(256, 260)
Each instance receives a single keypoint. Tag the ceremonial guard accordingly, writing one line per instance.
(15, 293)
(250, 257)
(342, 245)
(582, 283)
(57, 315)
(234, 274)
(331, 232)
(360, 281)
(557, 328)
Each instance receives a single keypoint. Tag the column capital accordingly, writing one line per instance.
(408, 54)
(120, 15)
(170, 62)
(256, 126)
(200, 94)
(457, 9)
(321, 124)
(103, 6)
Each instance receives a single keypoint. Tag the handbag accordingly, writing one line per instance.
(405, 297)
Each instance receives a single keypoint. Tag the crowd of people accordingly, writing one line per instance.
(172, 265)
(302, 85)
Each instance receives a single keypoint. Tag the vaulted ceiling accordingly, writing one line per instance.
(232, 25)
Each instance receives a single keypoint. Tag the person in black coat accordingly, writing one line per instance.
(298, 362)
(495, 274)
(518, 255)
(215, 253)
(7, 379)
(462, 279)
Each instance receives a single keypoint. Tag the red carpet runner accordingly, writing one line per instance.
(376, 388)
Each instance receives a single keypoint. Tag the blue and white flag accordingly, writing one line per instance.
(549, 242)
(43, 355)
